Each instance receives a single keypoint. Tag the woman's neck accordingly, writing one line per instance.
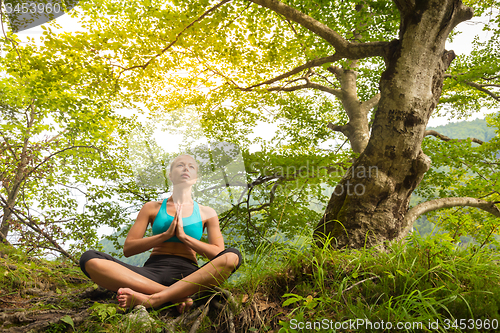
(181, 196)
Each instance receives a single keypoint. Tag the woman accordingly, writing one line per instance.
(171, 273)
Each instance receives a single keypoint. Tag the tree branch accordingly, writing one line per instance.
(312, 85)
(405, 6)
(337, 71)
(143, 66)
(9, 146)
(461, 13)
(371, 103)
(436, 204)
(445, 138)
(342, 47)
(4, 239)
(37, 229)
(490, 85)
(312, 63)
(324, 78)
(50, 156)
(480, 87)
(344, 129)
(261, 207)
(306, 21)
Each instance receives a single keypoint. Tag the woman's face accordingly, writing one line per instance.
(184, 170)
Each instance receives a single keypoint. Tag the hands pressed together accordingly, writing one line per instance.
(176, 228)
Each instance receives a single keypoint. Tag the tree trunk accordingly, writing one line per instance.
(13, 192)
(5, 225)
(15, 184)
(368, 206)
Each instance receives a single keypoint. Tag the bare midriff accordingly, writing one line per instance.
(176, 249)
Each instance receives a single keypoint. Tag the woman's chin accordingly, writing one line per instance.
(185, 182)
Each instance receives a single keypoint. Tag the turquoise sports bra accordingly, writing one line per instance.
(193, 226)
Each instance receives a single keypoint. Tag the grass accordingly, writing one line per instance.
(427, 284)
(425, 280)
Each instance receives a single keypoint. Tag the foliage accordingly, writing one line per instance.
(208, 61)
(471, 76)
(281, 221)
(421, 281)
(104, 312)
(63, 146)
(464, 169)
(19, 271)
(67, 319)
(425, 280)
(180, 61)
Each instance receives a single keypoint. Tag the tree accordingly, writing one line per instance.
(58, 141)
(371, 71)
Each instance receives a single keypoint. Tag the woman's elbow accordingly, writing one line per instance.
(218, 250)
(127, 251)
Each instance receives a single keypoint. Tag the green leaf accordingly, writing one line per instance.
(291, 301)
(68, 320)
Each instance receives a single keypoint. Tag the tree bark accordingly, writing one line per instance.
(15, 186)
(369, 205)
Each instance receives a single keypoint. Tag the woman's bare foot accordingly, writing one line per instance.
(129, 298)
(184, 305)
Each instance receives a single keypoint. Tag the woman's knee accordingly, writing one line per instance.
(86, 258)
(233, 259)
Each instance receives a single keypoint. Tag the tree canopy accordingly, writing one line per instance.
(61, 147)
(349, 85)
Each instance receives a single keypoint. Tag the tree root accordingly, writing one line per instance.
(199, 314)
(228, 315)
(38, 321)
(203, 314)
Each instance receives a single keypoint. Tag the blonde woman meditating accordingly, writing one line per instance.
(171, 274)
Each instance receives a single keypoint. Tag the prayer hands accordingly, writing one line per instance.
(179, 231)
(176, 227)
(172, 229)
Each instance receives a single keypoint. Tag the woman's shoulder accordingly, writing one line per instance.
(207, 212)
(152, 205)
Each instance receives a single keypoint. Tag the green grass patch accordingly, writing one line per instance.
(423, 280)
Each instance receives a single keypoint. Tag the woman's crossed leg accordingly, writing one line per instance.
(134, 288)
(211, 274)
(113, 274)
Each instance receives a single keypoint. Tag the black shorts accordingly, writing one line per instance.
(163, 269)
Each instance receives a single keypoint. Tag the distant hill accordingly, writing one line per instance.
(477, 128)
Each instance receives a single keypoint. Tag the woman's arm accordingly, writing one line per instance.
(215, 243)
(135, 242)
